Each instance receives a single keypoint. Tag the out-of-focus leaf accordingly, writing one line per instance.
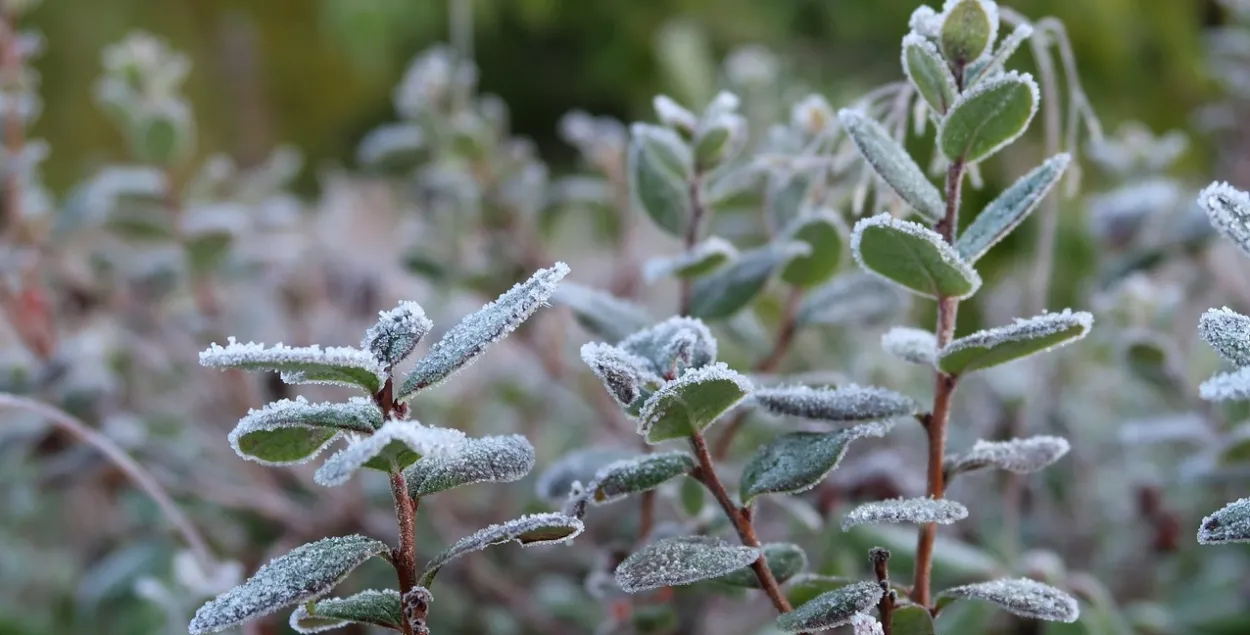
(702, 259)
(850, 299)
(911, 620)
(917, 346)
(732, 287)
(600, 312)
(658, 168)
(1021, 456)
(820, 232)
(579, 466)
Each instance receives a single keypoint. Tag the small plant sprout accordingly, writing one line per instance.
(419, 459)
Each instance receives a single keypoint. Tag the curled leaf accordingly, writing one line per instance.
(338, 365)
(379, 608)
(1021, 456)
(831, 609)
(1230, 524)
(397, 333)
(418, 440)
(1023, 597)
(892, 163)
(842, 404)
(289, 432)
(1023, 338)
(919, 511)
(681, 561)
(494, 459)
(534, 529)
(657, 344)
(622, 373)
(798, 461)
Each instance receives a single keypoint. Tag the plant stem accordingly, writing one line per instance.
(944, 388)
(881, 567)
(740, 517)
(697, 212)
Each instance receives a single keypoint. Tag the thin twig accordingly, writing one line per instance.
(697, 212)
(881, 567)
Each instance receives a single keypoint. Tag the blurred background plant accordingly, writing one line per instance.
(151, 207)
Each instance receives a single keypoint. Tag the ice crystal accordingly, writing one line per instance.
(340, 365)
(420, 439)
(1228, 332)
(1023, 597)
(681, 561)
(917, 346)
(1021, 456)
(918, 511)
(1228, 209)
(654, 343)
(622, 373)
(831, 609)
(1231, 386)
(1229, 524)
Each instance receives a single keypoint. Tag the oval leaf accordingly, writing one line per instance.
(463, 343)
(892, 163)
(928, 72)
(1021, 456)
(681, 561)
(919, 511)
(307, 572)
(912, 256)
(579, 466)
(842, 404)
(917, 346)
(639, 474)
(691, 402)
(1023, 597)
(289, 432)
(1228, 209)
(600, 312)
(988, 67)
(1228, 332)
(968, 29)
(702, 259)
(379, 608)
(534, 529)
(494, 459)
(1229, 524)
(785, 560)
(728, 290)
(339, 365)
(1003, 344)
(798, 461)
(988, 116)
(399, 442)
(1006, 212)
(820, 232)
(831, 609)
(657, 181)
(397, 332)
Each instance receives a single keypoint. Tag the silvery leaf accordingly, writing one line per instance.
(681, 561)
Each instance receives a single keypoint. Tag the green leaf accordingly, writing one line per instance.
(734, 286)
(892, 163)
(719, 140)
(798, 461)
(842, 404)
(831, 609)
(805, 587)
(820, 231)
(681, 561)
(161, 138)
(912, 256)
(393, 447)
(1021, 596)
(985, 349)
(638, 474)
(379, 608)
(206, 251)
(911, 620)
(691, 496)
(600, 312)
(149, 222)
(305, 573)
(290, 432)
(988, 116)
(692, 402)
(339, 365)
(928, 72)
(785, 560)
(968, 30)
(702, 259)
(493, 459)
(1230, 524)
(1006, 212)
(534, 529)
(988, 66)
(658, 179)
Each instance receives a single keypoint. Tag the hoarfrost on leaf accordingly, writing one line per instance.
(703, 258)
(338, 365)
(420, 440)
(681, 561)
(638, 474)
(468, 339)
(1231, 386)
(533, 529)
(1229, 524)
(1228, 332)
(1228, 209)
(654, 343)
(1021, 456)
(376, 607)
(600, 312)
(798, 461)
(1023, 597)
(306, 573)
(623, 374)
(1010, 208)
(914, 345)
(919, 511)
(831, 609)
(290, 432)
(989, 116)
(579, 466)
(892, 163)
(1022, 338)
(691, 402)
(494, 459)
(841, 404)
(928, 72)
(912, 256)
(397, 332)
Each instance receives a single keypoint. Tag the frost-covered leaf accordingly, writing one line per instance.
(1021, 596)
(917, 346)
(732, 287)
(674, 115)
(533, 529)
(852, 298)
(467, 340)
(969, 28)
(660, 342)
(831, 609)
(623, 374)
(691, 402)
(1230, 524)
(798, 461)
(704, 258)
(1006, 212)
(988, 116)
(988, 67)
(339, 365)
(1021, 456)
(1023, 338)
(306, 573)
(579, 466)
(919, 511)
(638, 474)
(681, 561)
(912, 256)
(600, 312)
(1228, 209)
(842, 404)
(928, 72)
(289, 432)
(911, 620)
(397, 332)
(493, 459)
(379, 608)
(1230, 386)
(658, 164)
(400, 442)
(892, 163)
(865, 624)
(1228, 332)
(804, 587)
(719, 140)
(820, 232)
(784, 559)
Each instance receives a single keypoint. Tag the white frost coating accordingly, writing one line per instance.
(494, 459)
(914, 345)
(723, 103)
(332, 365)
(925, 21)
(421, 439)
(831, 609)
(1232, 386)
(1021, 456)
(991, 11)
(947, 253)
(1010, 208)
(1228, 332)
(371, 606)
(1229, 524)
(864, 624)
(919, 511)
(845, 403)
(892, 163)
(812, 114)
(917, 40)
(529, 530)
(681, 561)
(653, 342)
(1228, 209)
(669, 394)
(622, 373)
(604, 314)
(674, 115)
(712, 248)
(638, 474)
(1023, 597)
(1023, 329)
(357, 415)
(467, 340)
(397, 332)
(798, 461)
(307, 572)
(993, 83)
(388, 140)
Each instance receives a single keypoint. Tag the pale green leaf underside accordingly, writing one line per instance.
(1012, 206)
(378, 608)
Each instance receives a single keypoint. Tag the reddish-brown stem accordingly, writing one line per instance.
(881, 567)
(404, 556)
